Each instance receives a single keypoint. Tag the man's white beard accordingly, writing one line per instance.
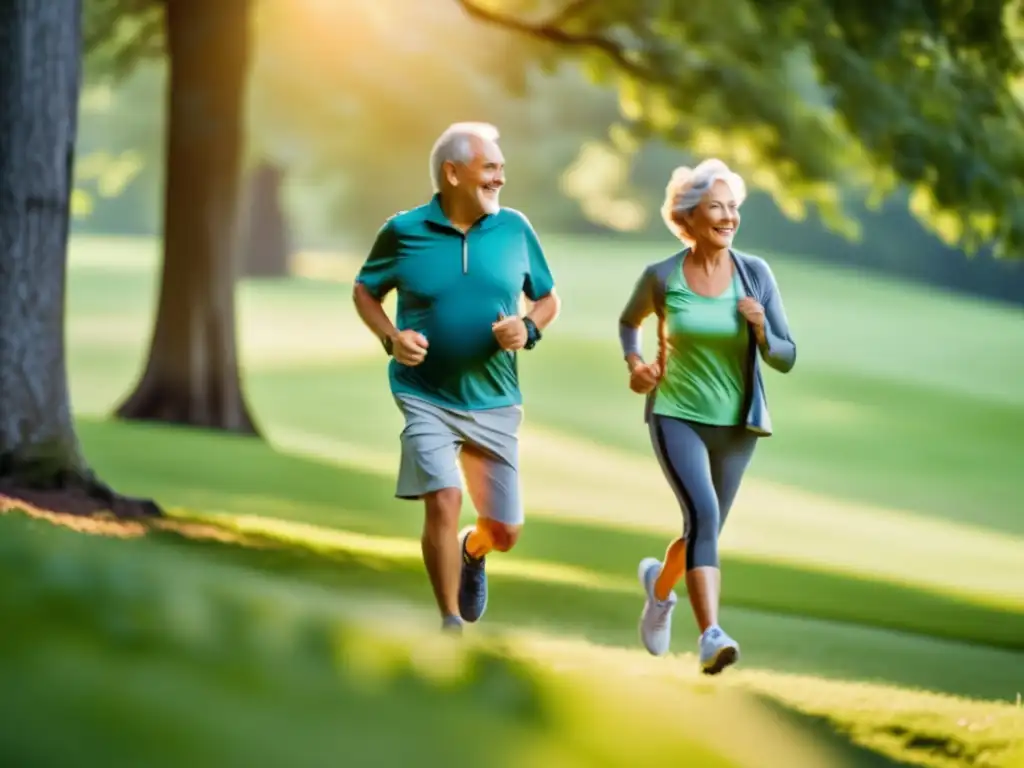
(490, 203)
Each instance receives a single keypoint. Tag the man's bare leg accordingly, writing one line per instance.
(441, 550)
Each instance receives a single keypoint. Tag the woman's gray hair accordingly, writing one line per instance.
(455, 145)
(687, 188)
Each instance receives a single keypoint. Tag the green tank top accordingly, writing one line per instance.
(707, 349)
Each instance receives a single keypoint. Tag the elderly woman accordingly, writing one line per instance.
(717, 310)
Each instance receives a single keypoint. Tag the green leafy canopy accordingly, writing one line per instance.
(117, 34)
(811, 96)
(812, 100)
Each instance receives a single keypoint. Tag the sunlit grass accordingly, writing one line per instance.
(213, 640)
(566, 476)
(572, 575)
(339, 499)
(302, 346)
(209, 659)
(319, 539)
(925, 728)
(886, 500)
(571, 479)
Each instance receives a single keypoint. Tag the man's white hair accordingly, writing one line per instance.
(456, 145)
(687, 188)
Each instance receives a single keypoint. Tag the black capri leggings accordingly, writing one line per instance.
(704, 465)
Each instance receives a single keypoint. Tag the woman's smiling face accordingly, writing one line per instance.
(716, 218)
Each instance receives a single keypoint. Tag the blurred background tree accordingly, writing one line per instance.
(191, 376)
(349, 142)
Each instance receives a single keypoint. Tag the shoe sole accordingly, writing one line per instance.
(724, 658)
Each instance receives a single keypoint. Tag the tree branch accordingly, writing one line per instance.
(568, 13)
(550, 31)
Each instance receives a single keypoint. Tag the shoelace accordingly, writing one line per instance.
(662, 610)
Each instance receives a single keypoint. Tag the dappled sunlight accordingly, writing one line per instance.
(805, 690)
(591, 504)
(274, 605)
(540, 591)
(215, 636)
(115, 254)
(323, 539)
(598, 181)
(776, 521)
(94, 525)
(568, 478)
(876, 715)
(112, 527)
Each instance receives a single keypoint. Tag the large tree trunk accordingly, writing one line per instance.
(265, 242)
(40, 49)
(192, 376)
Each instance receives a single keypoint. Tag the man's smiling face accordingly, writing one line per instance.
(482, 178)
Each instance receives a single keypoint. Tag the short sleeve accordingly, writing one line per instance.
(379, 273)
(539, 280)
(641, 301)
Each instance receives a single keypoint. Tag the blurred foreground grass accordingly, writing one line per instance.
(129, 650)
(143, 656)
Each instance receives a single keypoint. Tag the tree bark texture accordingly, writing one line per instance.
(39, 46)
(265, 243)
(40, 67)
(192, 375)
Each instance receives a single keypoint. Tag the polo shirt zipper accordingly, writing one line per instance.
(465, 255)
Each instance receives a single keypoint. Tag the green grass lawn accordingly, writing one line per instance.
(162, 651)
(874, 562)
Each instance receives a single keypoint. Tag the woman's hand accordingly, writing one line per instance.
(753, 313)
(644, 377)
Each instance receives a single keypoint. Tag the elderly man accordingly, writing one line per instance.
(460, 264)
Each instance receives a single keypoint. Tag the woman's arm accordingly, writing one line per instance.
(639, 307)
(778, 349)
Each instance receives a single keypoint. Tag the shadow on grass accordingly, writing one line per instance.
(136, 652)
(609, 617)
(244, 477)
(527, 598)
(818, 445)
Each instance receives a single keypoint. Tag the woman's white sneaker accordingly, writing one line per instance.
(717, 650)
(656, 618)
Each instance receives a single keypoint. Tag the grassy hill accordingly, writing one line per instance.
(872, 563)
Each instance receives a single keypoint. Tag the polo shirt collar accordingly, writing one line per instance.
(436, 215)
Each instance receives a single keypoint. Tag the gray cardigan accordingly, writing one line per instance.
(758, 281)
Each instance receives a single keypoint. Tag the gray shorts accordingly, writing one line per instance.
(437, 440)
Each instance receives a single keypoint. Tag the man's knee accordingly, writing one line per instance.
(444, 505)
(502, 535)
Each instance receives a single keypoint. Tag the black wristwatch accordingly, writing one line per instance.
(389, 345)
(533, 334)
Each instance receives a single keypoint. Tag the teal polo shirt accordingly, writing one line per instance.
(451, 287)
